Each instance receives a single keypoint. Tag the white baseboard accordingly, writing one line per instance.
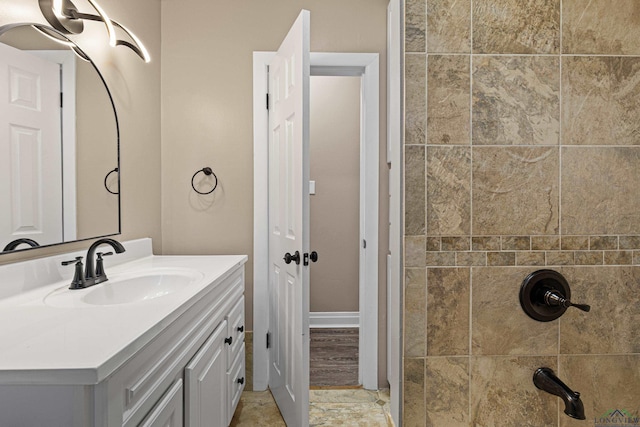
(334, 319)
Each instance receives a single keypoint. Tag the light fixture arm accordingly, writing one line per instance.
(65, 17)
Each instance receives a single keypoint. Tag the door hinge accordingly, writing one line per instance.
(364, 244)
(268, 340)
(61, 100)
(267, 101)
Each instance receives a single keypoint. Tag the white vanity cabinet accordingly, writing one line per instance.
(200, 352)
(187, 367)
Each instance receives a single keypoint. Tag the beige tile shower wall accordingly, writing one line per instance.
(522, 152)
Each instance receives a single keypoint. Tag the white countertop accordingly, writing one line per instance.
(42, 344)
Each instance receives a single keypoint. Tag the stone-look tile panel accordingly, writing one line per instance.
(413, 411)
(629, 242)
(560, 258)
(489, 243)
(516, 26)
(478, 259)
(448, 191)
(605, 383)
(447, 391)
(503, 394)
(414, 181)
(613, 324)
(516, 100)
(603, 242)
(597, 26)
(415, 26)
(449, 26)
(530, 258)
(433, 243)
(448, 311)
(498, 324)
(545, 243)
(618, 257)
(414, 250)
(601, 100)
(589, 257)
(597, 188)
(415, 115)
(501, 258)
(415, 297)
(440, 259)
(575, 243)
(515, 190)
(448, 110)
(456, 243)
(516, 243)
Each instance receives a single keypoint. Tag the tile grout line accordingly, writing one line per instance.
(471, 150)
(560, 150)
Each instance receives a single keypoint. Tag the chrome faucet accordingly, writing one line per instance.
(545, 379)
(94, 275)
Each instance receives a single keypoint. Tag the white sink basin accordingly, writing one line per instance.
(126, 288)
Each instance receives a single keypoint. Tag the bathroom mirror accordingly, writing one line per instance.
(59, 141)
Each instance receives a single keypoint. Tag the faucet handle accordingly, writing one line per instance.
(73, 261)
(99, 264)
(554, 298)
(78, 281)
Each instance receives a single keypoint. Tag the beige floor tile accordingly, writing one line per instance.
(348, 407)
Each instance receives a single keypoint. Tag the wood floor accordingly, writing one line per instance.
(333, 357)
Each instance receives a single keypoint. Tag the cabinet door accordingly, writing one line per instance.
(205, 383)
(168, 411)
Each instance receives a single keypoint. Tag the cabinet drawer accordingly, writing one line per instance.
(236, 380)
(235, 322)
(168, 411)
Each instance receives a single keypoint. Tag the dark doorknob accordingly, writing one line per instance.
(313, 256)
(295, 257)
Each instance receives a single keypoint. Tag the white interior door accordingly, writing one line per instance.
(30, 148)
(289, 224)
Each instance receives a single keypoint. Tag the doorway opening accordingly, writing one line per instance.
(334, 153)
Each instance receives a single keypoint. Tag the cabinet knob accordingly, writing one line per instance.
(241, 380)
(241, 328)
(228, 340)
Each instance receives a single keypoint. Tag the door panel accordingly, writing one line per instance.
(30, 148)
(289, 223)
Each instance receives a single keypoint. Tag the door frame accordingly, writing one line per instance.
(365, 65)
(67, 61)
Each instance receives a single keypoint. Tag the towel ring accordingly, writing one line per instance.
(105, 181)
(207, 171)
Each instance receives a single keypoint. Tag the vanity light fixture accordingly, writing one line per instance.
(58, 37)
(65, 17)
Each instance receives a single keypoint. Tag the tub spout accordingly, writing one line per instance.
(545, 379)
